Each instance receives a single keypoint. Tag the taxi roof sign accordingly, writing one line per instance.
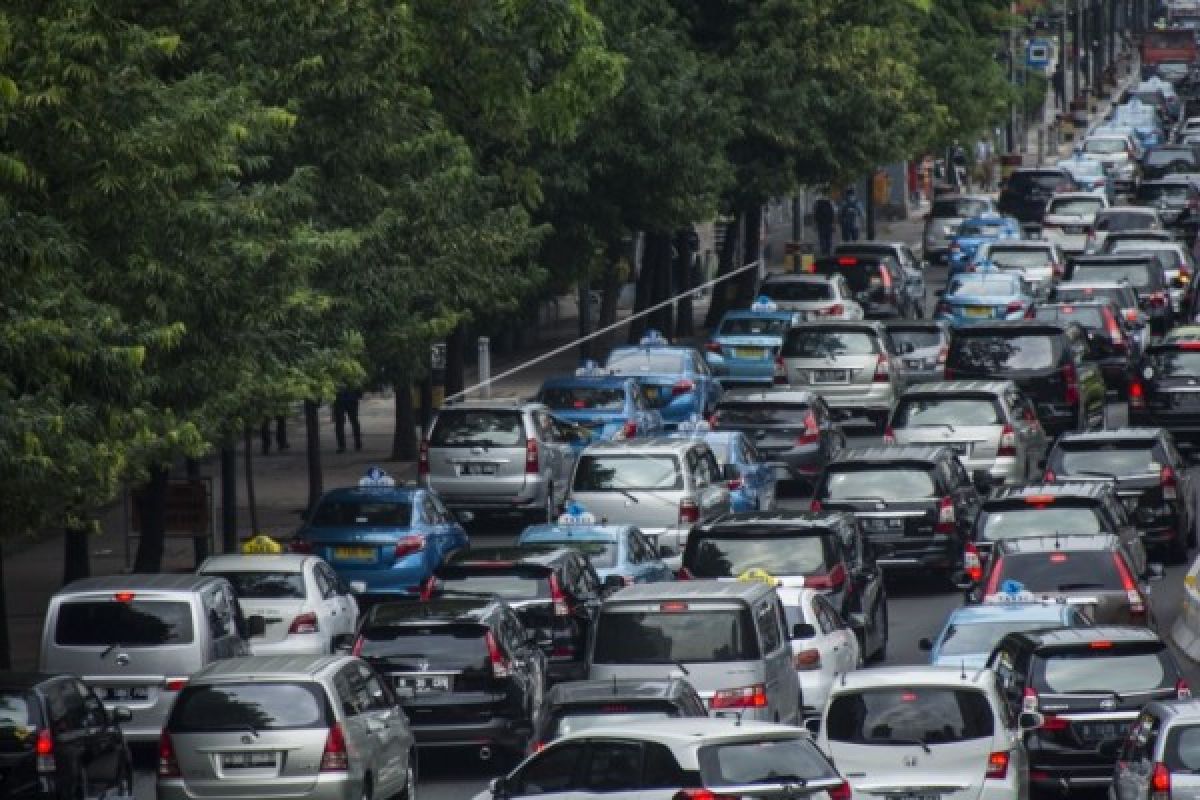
(575, 514)
(763, 304)
(590, 369)
(261, 545)
(377, 478)
(653, 338)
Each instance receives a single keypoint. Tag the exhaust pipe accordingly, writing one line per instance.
(485, 753)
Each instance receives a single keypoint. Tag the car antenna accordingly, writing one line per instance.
(962, 674)
(614, 684)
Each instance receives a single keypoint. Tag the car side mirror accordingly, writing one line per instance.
(465, 517)
(343, 642)
(1029, 720)
(983, 480)
(803, 630)
(499, 788)
(122, 714)
(613, 582)
(925, 644)
(256, 626)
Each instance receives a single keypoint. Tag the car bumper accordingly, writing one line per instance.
(530, 494)
(917, 553)
(308, 644)
(512, 735)
(326, 786)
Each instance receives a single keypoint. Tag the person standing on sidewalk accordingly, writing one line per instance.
(823, 217)
(983, 164)
(345, 406)
(850, 216)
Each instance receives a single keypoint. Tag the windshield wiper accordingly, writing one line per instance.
(1066, 587)
(888, 740)
(109, 649)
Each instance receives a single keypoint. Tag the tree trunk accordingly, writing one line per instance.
(76, 563)
(643, 294)
(152, 512)
(723, 293)
(5, 656)
(610, 294)
(658, 259)
(229, 537)
(752, 236)
(404, 433)
(586, 323)
(312, 436)
(685, 256)
(248, 456)
(200, 542)
(456, 353)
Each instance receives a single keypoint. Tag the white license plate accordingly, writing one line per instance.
(914, 797)
(410, 686)
(478, 469)
(259, 760)
(124, 694)
(829, 376)
(914, 363)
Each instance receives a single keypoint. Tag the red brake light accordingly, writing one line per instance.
(175, 684)
(832, 580)
(533, 464)
(1058, 558)
(941, 358)
(713, 347)
(423, 459)
(1071, 379)
(704, 794)
(812, 431)
(1050, 722)
(44, 748)
(300, 546)
(1159, 300)
(1114, 331)
(1137, 395)
(1049, 476)
(889, 435)
(1008, 442)
(840, 792)
(335, 758)
(682, 386)
(168, 764)
(997, 765)
(1039, 500)
(734, 484)
(689, 512)
(561, 607)
(742, 697)
(358, 646)
(1014, 307)
(972, 563)
(407, 545)
(780, 378)
(1166, 479)
(629, 430)
(847, 261)
(305, 623)
(124, 597)
(883, 368)
(946, 520)
(815, 505)
(835, 310)
(1160, 782)
(1190, 346)
(994, 578)
(1100, 644)
(807, 660)
(500, 667)
(673, 606)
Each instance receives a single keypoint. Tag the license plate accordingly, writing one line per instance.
(424, 684)
(1101, 731)
(882, 525)
(914, 363)
(750, 352)
(478, 469)
(126, 693)
(1074, 230)
(914, 797)
(981, 312)
(829, 376)
(1186, 400)
(354, 553)
(247, 760)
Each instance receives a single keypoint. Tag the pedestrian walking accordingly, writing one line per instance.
(850, 215)
(281, 441)
(914, 183)
(823, 217)
(983, 164)
(1060, 88)
(958, 165)
(345, 407)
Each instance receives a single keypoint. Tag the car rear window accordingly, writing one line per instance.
(860, 275)
(1136, 273)
(980, 229)
(19, 717)
(919, 339)
(340, 513)
(1018, 257)
(689, 634)
(1089, 317)
(1104, 146)
(1175, 193)
(947, 412)
(508, 582)
(1036, 520)
(1124, 221)
(763, 326)
(1060, 571)
(817, 343)
(1043, 180)
(896, 483)
(1110, 459)
(637, 362)
(974, 287)
(619, 713)
(767, 761)
(601, 554)
(798, 291)
(1170, 258)
(1108, 667)
(137, 623)
(906, 715)
(1074, 206)
(1003, 354)
(1182, 750)
(982, 637)
(730, 556)
(1162, 157)
(614, 473)
(581, 398)
(957, 208)
(1124, 298)
(761, 414)
(1170, 362)
(477, 428)
(265, 585)
(453, 646)
(249, 707)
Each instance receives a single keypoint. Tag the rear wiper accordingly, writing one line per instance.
(1095, 473)
(888, 740)
(109, 649)
(1109, 692)
(627, 493)
(1067, 587)
(936, 425)
(793, 780)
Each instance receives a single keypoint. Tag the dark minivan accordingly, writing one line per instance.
(1144, 272)
(1026, 192)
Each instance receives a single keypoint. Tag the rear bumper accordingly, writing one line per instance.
(917, 553)
(309, 644)
(512, 735)
(326, 786)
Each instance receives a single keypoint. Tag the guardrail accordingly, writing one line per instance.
(1186, 630)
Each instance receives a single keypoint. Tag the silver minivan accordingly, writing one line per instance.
(1160, 756)
(500, 456)
(729, 638)
(664, 487)
(320, 727)
(137, 639)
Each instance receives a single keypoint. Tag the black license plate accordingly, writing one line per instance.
(426, 684)
(478, 469)
(1186, 400)
(883, 525)
(258, 760)
(124, 694)
(1073, 230)
(1101, 731)
(829, 376)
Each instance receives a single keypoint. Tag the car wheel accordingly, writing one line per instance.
(409, 792)
(881, 631)
(366, 788)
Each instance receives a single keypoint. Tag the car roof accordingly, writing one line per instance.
(1065, 637)
(595, 533)
(141, 582)
(256, 562)
(917, 325)
(1087, 489)
(871, 325)
(257, 668)
(783, 521)
(780, 395)
(653, 444)
(1052, 543)
(614, 691)
(1113, 435)
(994, 612)
(960, 387)
(890, 453)
(912, 675)
(398, 493)
(517, 555)
(746, 591)
(690, 731)
(446, 608)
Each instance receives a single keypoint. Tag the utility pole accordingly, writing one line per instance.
(1076, 76)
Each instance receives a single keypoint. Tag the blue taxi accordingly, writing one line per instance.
(608, 406)
(989, 227)
(752, 481)
(984, 297)
(750, 341)
(620, 550)
(381, 537)
(676, 381)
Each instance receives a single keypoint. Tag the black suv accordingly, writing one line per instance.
(826, 548)
(1151, 477)
(1026, 192)
(1144, 272)
(58, 741)
(1177, 200)
(1165, 160)
(879, 283)
(1163, 392)
(465, 669)
(916, 505)
(1110, 339)
(578, 705)
(1052, 363)
(557, 590)
(1087, 685)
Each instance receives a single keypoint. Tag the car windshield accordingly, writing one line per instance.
(636, 362)
(1136, 274)
(1001, 354)
(506, 582)
(931, 715)
(1074, 206)
(265, 585)
(917, 412)
(817, 343)
(1104, 669)
(961, 208)
(728, 557)
(1089, 317)
(1125, 221)
(1015, 523)
(679, 634)
(799, 291)
(919, 339)
(759, 326)
(468, 428)
(1047, 572)
(1104, 146)
(1172, 363)
(613, 473)
(441, 646)
(763, 761)
(898, 483)
(602, 554)
(860, 275)
(574, 722)
(981, 637)
(584, 398)
(1018, 257)
(136, 623)
(1117, 458)
(982, 288)
(334, 513)
(761, 414)
(249, 707)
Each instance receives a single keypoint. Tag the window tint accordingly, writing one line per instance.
(1123, 297)
(1104, 146)
(768, 626)
(1116, 669)
(580, 398)
(342, 513)
(764, 326)
(19, 716)
(1059, 571)
(660, 770)
(940, 411)
(796, 292)
(730, 556)
(552, 770)
(929, 714)
(990, 286)
(634, 362)
(757, 415)
(919, 339)
(1170, 363)
(982, 637)
(859, 275)
(957, 208)
(613, 766)
(265, 585)
(507, 583)
(1014, 523)
(1090, 317)
(1018, 257)
(1116, 459)
(818, 343)
(138, 623)
(1002, 354)
(601, 473)
(481, 428)
(440, 646)
(765, 761)
(248, 706)
(600, 554)
(1080, 206)
(894, 484)
(667, 637)
(1125, 221)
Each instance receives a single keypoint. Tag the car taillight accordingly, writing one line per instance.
(682, 386)
(1014, 307)
(840, 792)
(1183, 691)
(629, 429)
(407, 545)
(1114, 332)
(44, 747)
(702, 794)
(997, 765)
(533, 464)
(423, 459)
(499, 664)
(812, 431)
(780, 377)
(1071, 379)
(305, 623)
(1051, 722)
(1137, 604)
(1048, 476)
(815, 505)
(1166, 479)
(835, 310)
(941, 357)
(335, 757)
(175, 684)
(300, 546)
(1137, 396)
(1008, 442)
(1160, 782)
(689, 512)
(1159, 299)
(807, 660)
(683, 574)
(972, 563)
(561, 607)
(831, 581)
(168, 764)
(1029, 700)
(883, 369)
(733, 484)
(889, 435)
(742, 697)
(946, 520)
(994, 576)
(358, 646)
(713, 347)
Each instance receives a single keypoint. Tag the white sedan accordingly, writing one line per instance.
(828, 647)
(303, 603)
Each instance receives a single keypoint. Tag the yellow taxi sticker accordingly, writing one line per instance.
(759, 575)
(261, 545)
